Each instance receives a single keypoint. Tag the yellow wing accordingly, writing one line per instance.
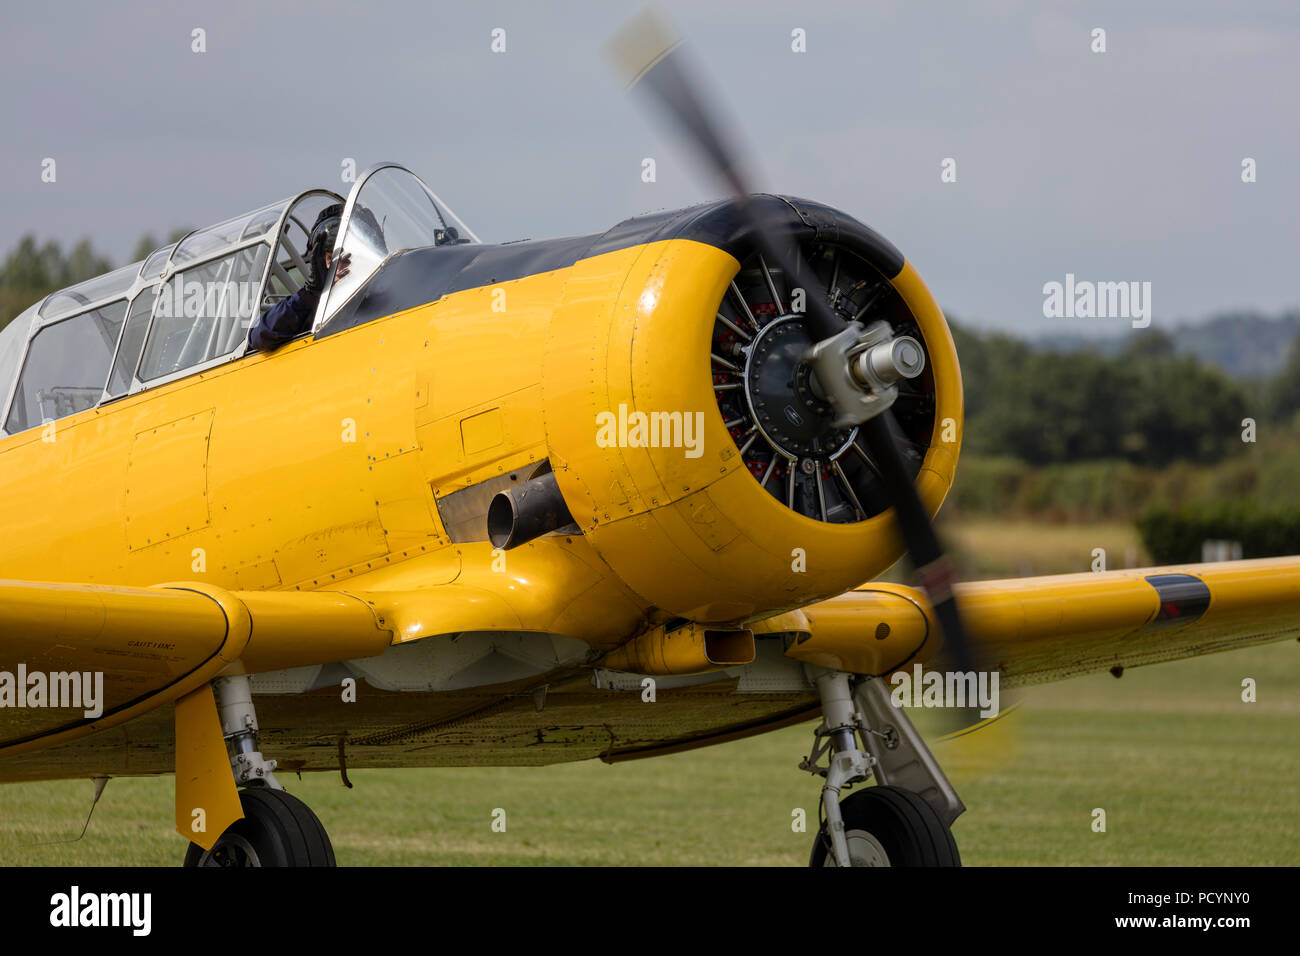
(80, 658)
(1050, 628)
(151, 646)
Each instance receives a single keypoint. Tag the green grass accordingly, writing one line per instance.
(1187, 774)
(988, 548)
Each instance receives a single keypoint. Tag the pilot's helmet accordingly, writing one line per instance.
(324, 232)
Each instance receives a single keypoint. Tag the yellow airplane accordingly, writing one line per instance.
(464, 518)
(608, 496)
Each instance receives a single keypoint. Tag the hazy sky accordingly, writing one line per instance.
(1123, 165)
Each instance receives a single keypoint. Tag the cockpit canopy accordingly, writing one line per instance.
(388, 211)
(188, 306)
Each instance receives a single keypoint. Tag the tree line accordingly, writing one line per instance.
(32, 269)
(1146, 405)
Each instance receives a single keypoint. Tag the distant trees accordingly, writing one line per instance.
(32, 271)
(1147, 405)
(1284, 393)
(1175, 536)
(148, 244)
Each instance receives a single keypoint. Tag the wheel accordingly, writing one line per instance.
(888, 826)
(278, 829)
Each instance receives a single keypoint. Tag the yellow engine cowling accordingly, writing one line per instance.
(690, 529)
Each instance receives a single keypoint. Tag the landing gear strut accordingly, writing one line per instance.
(906, 819)
(278, 829)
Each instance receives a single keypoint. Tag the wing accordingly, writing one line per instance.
(1050, 628)
(89, 657)
(156, 645)
(114, 653)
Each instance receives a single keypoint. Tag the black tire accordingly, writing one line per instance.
(278, 829)
(892, 821)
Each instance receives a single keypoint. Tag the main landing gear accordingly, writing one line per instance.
(905, 820)
(278, 829)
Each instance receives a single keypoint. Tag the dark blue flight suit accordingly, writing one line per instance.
(285, 320)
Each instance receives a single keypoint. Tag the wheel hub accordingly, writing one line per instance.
(231, 850)
(864, 850)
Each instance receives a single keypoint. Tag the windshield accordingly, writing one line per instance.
(389, 211)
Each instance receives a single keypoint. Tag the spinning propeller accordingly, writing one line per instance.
(855, 371)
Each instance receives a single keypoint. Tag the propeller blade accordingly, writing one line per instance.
(931, 568)
(650, 55)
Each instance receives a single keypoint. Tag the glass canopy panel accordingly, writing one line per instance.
(203, 313)
(154, 265)
(128, 350)
(208, 241)
(289, 267)
(77, 297)
(66, 367)
(391, 211)
(13, 340)
(263, 221)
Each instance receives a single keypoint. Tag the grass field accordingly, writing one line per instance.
(989, 548)
(1186, 772)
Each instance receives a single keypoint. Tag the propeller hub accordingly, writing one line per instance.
(859, 369)
(881, 365)
(786, 406)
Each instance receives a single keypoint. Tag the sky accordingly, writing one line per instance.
(1123, 165)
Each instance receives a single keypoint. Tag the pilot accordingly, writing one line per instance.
(292, 315)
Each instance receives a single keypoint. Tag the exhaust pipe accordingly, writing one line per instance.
(526, 512)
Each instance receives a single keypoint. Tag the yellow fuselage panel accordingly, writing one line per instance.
(320, 465)
(280, 470)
